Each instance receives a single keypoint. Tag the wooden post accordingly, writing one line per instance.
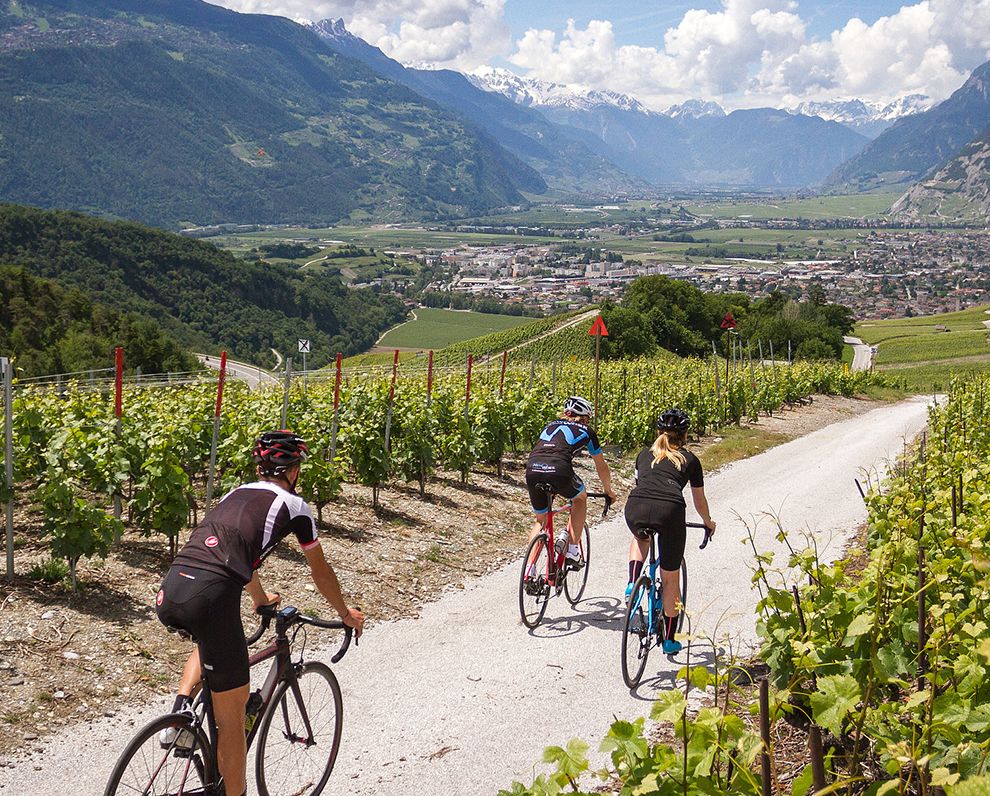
(817, 758)
(501, 383)
(467, 390)
(765, 765)
(429, 382)
(336, 409)
(216, 430)
(285, 395)
(8, 456)
(118, 411)
(391, 401)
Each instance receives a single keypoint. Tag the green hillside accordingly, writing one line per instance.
(204, 297)
(183, 112)
(47, 329)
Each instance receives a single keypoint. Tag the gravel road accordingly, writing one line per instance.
(463, 699)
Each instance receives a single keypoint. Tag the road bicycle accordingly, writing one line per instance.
(643, 627)
(296, 717)
(545, 571)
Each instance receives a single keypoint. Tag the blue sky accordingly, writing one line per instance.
(636, 22)
(741, 53)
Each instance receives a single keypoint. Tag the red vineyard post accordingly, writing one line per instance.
(211, 473)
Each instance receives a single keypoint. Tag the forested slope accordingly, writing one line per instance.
(204, 297)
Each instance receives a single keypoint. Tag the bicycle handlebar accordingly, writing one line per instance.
(608, 501)
(290, 616)
(708, 533)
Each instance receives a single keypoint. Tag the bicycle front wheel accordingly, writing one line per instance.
(577, 580)
(300, 734)
(534, 589)
(636, 636)
(182, 763)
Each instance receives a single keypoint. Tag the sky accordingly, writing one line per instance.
(740, 53)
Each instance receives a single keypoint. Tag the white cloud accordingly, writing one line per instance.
(457, 34)
(745, 53)
(752, 52)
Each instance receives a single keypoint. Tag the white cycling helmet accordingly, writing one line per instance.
(576, 405)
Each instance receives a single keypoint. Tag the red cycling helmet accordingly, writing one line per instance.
(277, 451)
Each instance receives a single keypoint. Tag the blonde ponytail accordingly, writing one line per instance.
(667, 446)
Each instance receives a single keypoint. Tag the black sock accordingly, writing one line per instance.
(181, 701)
(635, 570)
(669, 626)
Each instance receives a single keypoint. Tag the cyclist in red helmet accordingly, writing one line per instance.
(551, 462)
(201, 593)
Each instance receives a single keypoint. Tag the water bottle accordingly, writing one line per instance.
(251, 709)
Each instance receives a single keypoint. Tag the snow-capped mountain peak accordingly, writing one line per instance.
(864, 116)
(330, 29)
(695, 109)
(544, 93)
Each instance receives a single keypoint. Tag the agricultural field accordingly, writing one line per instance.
(926, 351)
(870, 205)
(437, 328)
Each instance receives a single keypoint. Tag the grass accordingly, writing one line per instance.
(815, 207)
(436, 328)
(739, 442)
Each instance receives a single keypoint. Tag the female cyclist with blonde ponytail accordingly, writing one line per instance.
(656, 505)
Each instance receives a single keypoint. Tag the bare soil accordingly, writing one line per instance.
(65, 657)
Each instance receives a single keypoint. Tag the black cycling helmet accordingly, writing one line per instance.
(676, 420)
(277, 451)
(578, 406)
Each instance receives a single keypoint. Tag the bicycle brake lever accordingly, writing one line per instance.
(706, 540)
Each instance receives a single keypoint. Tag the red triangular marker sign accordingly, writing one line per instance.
(598, 328)
(728, 322)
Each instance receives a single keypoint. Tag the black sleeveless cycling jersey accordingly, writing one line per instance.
(234, 538)
(561, 441)
(664, 481)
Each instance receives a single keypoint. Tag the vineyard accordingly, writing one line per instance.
(154, 462)
(881, 668)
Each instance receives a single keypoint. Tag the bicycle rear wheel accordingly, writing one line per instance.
(636, 636)
(577, 580)
(534, 590)
(185, 766)
(300, 734)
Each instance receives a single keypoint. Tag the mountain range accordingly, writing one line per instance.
(693, 144)
(917, 145)
(178, 111)
(958, 193)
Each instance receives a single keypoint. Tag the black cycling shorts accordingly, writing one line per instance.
(563, 480)
(665, 518)
(208, 606)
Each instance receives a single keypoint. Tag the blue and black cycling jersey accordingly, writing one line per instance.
(560, 441)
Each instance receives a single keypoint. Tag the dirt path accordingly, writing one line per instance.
(463, 699)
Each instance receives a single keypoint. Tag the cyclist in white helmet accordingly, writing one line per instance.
(551, 462)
